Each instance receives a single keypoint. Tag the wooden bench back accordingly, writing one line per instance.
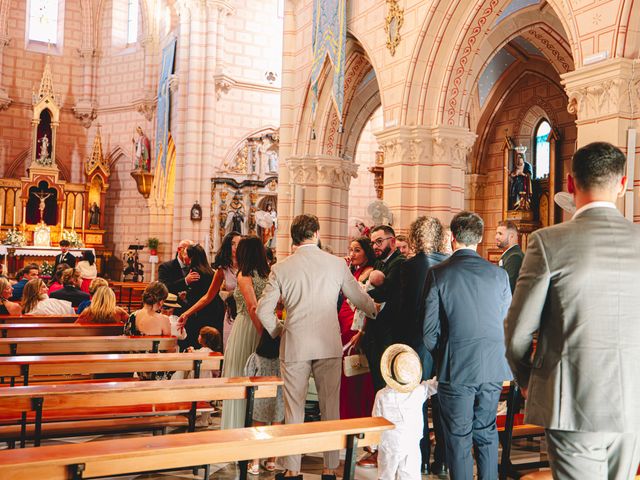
(84, 345)
(20, 319)
(127, 455)
(29, 366)
(117, 394)
(10, 330)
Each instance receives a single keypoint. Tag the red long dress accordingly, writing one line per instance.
(356, 393)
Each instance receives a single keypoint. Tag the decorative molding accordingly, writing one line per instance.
(324, 170)
(146, 106)
(85, 111)
(476, 183)
(392, 25)
(223, 83)
(602, 90)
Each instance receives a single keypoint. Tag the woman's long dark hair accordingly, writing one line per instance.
(199, 262)
(365, 243)
(89, 256)
(252, 257)
(223, 257)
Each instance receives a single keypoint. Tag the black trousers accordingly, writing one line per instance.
(439, 453)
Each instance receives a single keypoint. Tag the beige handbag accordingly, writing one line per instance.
(354, 364)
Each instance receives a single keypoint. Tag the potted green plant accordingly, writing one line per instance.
(153, 243)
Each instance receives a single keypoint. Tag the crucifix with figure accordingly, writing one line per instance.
(42, 196)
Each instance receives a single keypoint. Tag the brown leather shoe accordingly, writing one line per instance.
(370, 461)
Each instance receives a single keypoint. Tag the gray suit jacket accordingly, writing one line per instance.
(309, 282)
(579, 288)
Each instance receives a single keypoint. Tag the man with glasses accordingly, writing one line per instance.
(379, 332)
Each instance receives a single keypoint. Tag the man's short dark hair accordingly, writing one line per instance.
(509, 225)
(467, 228)
(65, 243)
(385, 228)
(304, 227)
(597, 165)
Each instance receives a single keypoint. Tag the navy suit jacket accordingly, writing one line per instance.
(466, 302)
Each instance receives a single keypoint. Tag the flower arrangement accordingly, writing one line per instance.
(46, 269)
(73, 238)
(15, 237)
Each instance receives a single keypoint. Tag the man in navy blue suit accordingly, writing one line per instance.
(466, 302)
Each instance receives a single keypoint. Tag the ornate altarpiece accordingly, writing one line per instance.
(247, 183)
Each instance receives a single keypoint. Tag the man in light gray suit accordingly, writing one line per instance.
(579, 289)
(309, 283)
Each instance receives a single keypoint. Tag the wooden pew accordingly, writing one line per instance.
(84, 345)
(10, 330)
(28, 366)
(35, 401)
(510, 431)
(20, 319)
(133, 455)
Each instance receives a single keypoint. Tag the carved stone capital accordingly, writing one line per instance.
(146, 106)
(223, 83)
(5, 101)
(452, 144)
(602, 90)
(87, 54)
(322, 169)
(85, 111)
(425, 146)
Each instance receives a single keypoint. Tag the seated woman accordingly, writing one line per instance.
(87, 269)
(95, 284)
(103, 309)
(56, 278)
(7, 307)
(71, 291)
(35, 301)
(147, 320)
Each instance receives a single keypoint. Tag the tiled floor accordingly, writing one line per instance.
(311, 464)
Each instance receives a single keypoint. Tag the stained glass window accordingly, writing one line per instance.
(132, 21)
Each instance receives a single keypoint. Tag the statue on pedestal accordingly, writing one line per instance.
(42, 196)
(94, 215)
(520, 184)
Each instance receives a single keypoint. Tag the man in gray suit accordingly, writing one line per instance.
(309, 283)
(466, 301)
(579, 290)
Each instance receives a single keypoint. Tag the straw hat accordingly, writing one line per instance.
(401, 368)
(171, 301)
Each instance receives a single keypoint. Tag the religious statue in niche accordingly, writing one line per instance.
(272, 161)
(44, 157)
(520, 184)
(142, 151)
(236, 216)
(41, 205)
(94, 215)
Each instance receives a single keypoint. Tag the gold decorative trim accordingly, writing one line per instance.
(393, 24)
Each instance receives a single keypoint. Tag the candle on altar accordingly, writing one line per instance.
(24, 214)
(1, 214)
(73, 220)
(84, 214)
(14, 217)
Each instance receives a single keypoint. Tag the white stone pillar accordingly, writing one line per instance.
(84, 108)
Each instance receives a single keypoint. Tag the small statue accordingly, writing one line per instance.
(520, 184)
(142, 151)
(44, 149)
(94, 215)
(42, 196)
(272, 161)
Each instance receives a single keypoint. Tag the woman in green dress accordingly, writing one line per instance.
(253, 270)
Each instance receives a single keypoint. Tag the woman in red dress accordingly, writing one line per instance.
(356, 393)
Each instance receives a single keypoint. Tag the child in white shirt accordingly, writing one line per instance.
(401, 403)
